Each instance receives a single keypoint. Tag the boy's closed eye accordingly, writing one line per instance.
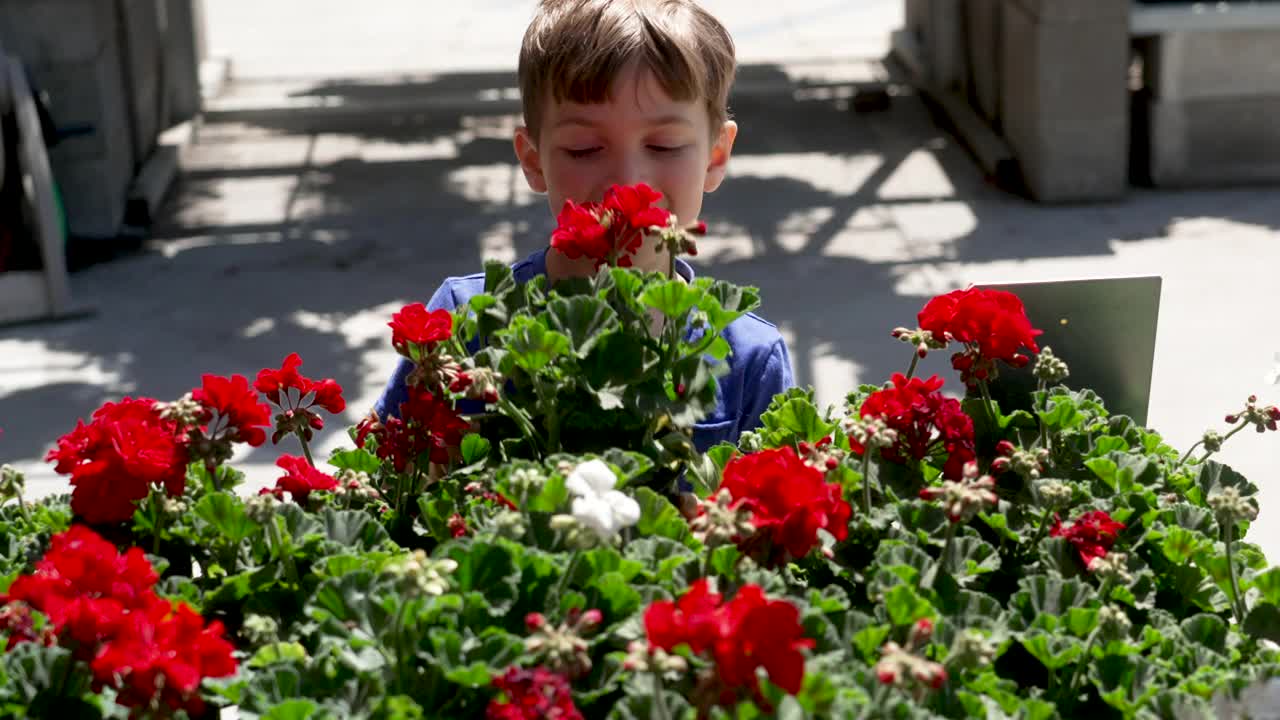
(579, 153)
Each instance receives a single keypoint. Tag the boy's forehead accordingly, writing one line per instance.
(636, 95)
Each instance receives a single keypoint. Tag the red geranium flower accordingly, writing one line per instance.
(164, 649)
(416, 327)
(758, 632)
(746, 633)
(924, 419)
(789, 502)
(693, 619)
(240, 416)
(635, 204)
(114, 460)
(992, 323)
(300, 479)
(582, 231)
(296, 394)
(611, 231)
(535, 694)
(426, 424)
(1092, 534)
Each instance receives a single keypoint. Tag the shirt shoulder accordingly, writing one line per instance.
(458, 291)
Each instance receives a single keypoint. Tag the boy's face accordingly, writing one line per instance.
(638, 135)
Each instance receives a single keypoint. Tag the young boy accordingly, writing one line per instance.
(622, 92)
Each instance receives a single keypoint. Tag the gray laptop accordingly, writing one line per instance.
(1103, 328)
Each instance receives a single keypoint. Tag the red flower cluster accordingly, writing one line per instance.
(536, 694)
(239, 414)
(427, 424)
(992, 323)
(747, 633)
(415, 329)
(789, 501)
(114, 460)
(611, 231)
(1092, 534)
(103, 605)
(299, 480)
(924, 420)
(296, 394)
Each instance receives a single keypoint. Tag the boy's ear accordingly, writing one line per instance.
(530, 160)
(721, 149)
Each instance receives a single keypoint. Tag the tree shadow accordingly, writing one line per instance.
(302, 230)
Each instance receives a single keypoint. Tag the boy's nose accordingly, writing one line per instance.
(627, 171)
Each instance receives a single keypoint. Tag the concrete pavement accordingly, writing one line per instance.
(355, 161)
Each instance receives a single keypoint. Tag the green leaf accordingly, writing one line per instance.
(1081, 621)
(280, 652)
(628, 466)
(1125, 682)
(583, 318)
(1214, 476)
(972, 556)
(904, 606)
(474, 449)
(1000, 523)
(1268, 584)
(612, 595)
(1062, 414)
(225, 513)
(869, 640)
(356, 459)
(1207, 630)
(532, 345)
(672, 298)
(1054, 651)
(797, 420)
(724, 302)
(291, 710)
(354, 529)
(1180, 545)
(1046, 594)
(658, 517)
(1263, 622)
(488, 568)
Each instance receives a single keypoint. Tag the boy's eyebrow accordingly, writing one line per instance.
(655, 122)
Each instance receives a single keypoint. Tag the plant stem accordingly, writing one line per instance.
(1040, 531)
(521, 418)
(563, 585)
(277, 542)
(1043, 439)
(929, 579)
(915, 360)
(306, 449)
(988, 403)
(660, 709)
(1237, 602)
(24, 511)
(866, 481)
(159, 527)
(1103, 592)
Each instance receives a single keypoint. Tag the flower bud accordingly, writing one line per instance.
(1055, 494)
(1049, 368)
(457, 525)
(1230, 507)
(1113, 566)
(534, 621)
(260, 629)
(261, 508)
(12, 483)
(1212, 441)
(750, 442)
(1004, 447)
(1114, 619)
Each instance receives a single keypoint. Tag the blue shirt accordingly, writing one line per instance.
(759, 364)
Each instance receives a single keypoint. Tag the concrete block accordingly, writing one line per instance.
(1194, 65)
(142, 43)
(1225, 141)
(72, 49)
(936, 28)
(982, 23)
(1064, 103)
(183, 44)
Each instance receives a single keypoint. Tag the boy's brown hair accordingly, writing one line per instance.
(574, 49)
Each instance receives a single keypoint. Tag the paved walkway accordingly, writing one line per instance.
(344, 175)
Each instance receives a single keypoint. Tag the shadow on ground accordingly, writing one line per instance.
(303, 230)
